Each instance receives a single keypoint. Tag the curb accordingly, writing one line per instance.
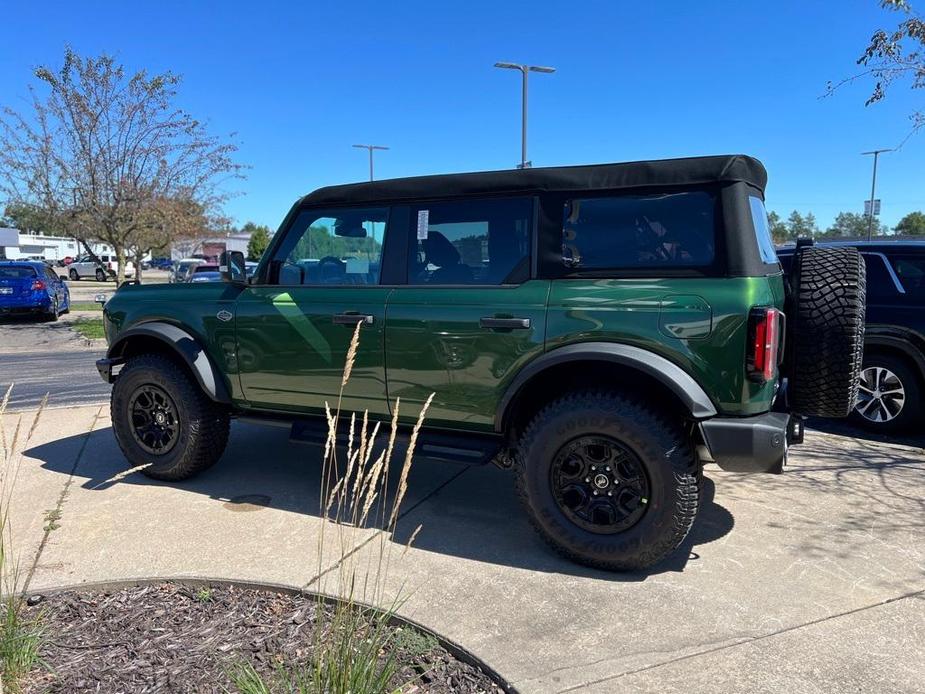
(453, 648)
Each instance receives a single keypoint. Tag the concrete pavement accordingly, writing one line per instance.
(808, 581)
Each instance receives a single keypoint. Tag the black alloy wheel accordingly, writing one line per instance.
(599, 484)
(155, 422)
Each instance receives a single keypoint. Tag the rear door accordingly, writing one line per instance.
(293, 328)
(469, 316)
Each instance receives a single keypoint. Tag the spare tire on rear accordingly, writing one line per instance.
(825, 341)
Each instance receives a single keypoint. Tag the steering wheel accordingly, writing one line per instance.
(331, 268)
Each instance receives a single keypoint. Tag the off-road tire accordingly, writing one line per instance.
(660, 445)
(825, 341)
(911, 412)
(203, 424)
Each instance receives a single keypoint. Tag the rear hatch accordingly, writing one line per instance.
(16, 283)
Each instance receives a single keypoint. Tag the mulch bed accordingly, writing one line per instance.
(171, 637)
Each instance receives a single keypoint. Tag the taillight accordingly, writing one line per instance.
(764, 337)
(38, 286)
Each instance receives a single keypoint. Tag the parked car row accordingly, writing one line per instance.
(202, 270)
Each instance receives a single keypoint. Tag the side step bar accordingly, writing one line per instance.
(469, 448)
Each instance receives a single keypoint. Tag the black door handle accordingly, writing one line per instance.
(504, 323)
(353, 318)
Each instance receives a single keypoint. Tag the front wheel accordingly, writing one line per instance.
(164, 421)
(72, 273)
(100, 276)
(607, 481)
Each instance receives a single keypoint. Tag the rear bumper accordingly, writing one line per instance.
(752, 444)
(25, 306)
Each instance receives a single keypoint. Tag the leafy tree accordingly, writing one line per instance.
(260, 239)
(893, 56)
(800, 227)
(851, 225)
(28, 218)
(109, 156)
(913, 224)
(779, 232)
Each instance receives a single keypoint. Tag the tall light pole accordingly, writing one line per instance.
(524, 70)
(370, 148)
(873, 188)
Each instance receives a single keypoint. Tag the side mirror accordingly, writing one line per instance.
(231, 267)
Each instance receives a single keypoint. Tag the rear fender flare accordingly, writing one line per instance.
(690, 393)
(186, 347)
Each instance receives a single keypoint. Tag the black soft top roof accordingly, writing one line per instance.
(729, 168)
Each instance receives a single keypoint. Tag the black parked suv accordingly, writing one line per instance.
(892, 385)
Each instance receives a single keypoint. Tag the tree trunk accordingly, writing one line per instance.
(120, 268)
(139, 255)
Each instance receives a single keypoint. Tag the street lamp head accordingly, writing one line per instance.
(876, 151)
(540, 68)
(510, 66)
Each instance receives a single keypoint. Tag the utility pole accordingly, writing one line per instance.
(524, 70)
(873, 188)
(370, 148)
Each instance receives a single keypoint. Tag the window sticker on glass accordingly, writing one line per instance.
(357, 266)
(423, 224)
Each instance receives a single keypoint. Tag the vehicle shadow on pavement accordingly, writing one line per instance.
(844, 427)
(470, 512)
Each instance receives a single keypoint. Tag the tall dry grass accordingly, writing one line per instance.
(20, 636)
(351, 651)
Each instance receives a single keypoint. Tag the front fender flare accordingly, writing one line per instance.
(186, 347)
(678, 381)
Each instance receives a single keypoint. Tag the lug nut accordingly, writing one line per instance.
(609, 493)
(587, 479)
(607, 468)
(593, 468)
(594, 492)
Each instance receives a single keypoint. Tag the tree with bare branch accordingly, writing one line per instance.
(894, 56)
(111, 158)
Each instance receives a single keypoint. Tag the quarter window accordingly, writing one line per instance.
(639, 231)
(471, 242)
(911, 273)
(762, 229)
(333, 247)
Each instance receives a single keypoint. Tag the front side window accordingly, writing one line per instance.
(484, 242)
(671, 230)
(332, 247)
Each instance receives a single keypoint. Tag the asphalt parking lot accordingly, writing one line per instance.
(809, 581)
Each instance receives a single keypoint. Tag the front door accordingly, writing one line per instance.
(470, 316)
(293, 331)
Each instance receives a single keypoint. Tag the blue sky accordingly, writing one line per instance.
(301, 82)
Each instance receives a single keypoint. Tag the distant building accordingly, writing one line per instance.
(16, 245)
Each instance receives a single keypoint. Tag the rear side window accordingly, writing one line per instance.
(483, 242)
(762, 229)
(16, 272)
(672, 230)
(881, 282)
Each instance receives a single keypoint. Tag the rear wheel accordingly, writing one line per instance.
(889, 395)
(53, 310)
(162, 419)
(607, 481)
(100, 275)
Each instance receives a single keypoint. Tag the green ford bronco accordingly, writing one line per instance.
(603, 330)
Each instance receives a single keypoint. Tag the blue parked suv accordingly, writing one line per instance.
(28, 286)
